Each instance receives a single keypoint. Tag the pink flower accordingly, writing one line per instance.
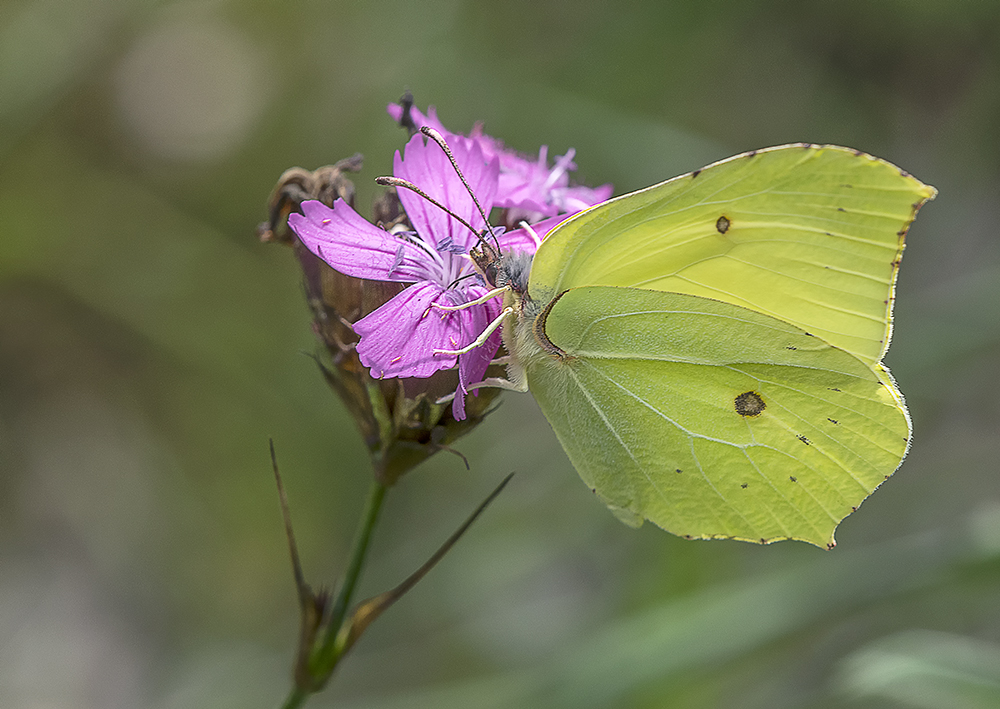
(527, 186)
(399, 339)
(405, 336)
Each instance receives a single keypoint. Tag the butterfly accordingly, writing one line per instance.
(709, 350)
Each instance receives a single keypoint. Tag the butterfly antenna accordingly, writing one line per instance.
(388, 181)
(439, 139)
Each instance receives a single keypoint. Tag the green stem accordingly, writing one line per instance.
(324, 660)
(296, 699)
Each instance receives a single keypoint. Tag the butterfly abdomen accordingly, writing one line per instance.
(526, 341)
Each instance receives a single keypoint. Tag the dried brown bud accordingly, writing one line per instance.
(296, 185)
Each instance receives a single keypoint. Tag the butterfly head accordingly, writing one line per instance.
(486, 261)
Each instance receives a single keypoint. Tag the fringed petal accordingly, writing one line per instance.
(355, 247)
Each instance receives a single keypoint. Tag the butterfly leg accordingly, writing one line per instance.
(499, 383)
(490, 382)
(478, 301)
(483, 337)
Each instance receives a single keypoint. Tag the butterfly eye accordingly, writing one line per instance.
(487, 264)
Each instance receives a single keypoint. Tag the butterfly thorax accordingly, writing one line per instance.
(502, 270)
(524, 332)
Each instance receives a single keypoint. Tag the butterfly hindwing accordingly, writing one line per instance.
(712, 420)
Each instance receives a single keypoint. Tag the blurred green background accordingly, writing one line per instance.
(150, 345)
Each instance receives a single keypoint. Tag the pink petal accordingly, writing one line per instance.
(524, 184)
(521, 240)
(574, 199)
(472, 365)
(513, 194)
(355, 247)
(426, 165)
(399, 338)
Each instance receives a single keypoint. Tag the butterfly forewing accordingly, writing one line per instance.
(807, 234)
